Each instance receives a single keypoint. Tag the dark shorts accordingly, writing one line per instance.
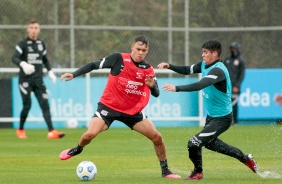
(109, 115)
(213, 128)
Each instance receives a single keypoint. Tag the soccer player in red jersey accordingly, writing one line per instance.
(127, 92)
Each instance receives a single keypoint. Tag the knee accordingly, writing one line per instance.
(44, 104)
(89, 136)
(194, 143)
(157, 138)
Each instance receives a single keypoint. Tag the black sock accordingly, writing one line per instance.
(165, 170)
(75, 151)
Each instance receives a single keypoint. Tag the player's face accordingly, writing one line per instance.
(209, 56)
(33, 31)
(139, 51)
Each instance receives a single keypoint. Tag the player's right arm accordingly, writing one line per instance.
(107, 62)
(185, 70)
(18, 60)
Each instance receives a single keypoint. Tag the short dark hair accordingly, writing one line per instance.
(212, 45)
(143, 39)
(33, 22)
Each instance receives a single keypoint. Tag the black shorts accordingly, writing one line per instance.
(213, 128)
(109, 115)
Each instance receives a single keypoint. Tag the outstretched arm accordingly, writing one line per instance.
(214, 76)
(67, 76)
(185, 70)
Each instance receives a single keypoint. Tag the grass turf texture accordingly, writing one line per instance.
(124, 156)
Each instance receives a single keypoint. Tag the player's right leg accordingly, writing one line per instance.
(96, 126)
(25, 90)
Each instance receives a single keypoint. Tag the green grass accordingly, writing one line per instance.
(124, 156)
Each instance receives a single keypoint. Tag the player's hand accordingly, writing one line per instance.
(150, 81)
(163, 65)
(278, 99)
(27, 68)
(67, 76)
(169, 87)
(52, 76)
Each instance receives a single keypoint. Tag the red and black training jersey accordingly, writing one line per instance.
(126, 90)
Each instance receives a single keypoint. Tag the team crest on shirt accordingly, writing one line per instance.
(139, 75)
(236, 62)
(40, 47)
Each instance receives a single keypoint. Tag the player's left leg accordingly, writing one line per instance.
(96, 126)
(219, 146)
(42, 97)
(148, 129)
(213, 128)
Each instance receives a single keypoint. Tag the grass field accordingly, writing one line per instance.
(123, 156)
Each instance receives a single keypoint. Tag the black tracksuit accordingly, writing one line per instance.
(33, 52)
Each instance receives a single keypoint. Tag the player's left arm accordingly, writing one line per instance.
(45, 58)
(214, 76)
(152, 83)
(48, 65)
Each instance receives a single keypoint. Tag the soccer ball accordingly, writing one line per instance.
(71, 123)
(86, 170)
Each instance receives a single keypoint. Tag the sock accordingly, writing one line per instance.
(165, 170)
(75, 151)
(163, 163)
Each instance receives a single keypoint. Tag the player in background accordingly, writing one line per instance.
(216, 86)
(236, 68)
(30, 55)
(130, 83)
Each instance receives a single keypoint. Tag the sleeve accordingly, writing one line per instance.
(16, 58)
(215, 75)
(155, 91)
(45, 58)
(106, 62)
(186, 70)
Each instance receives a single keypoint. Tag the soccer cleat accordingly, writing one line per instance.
(195, 176)
(251, 163)
(166, 173)
(68, 153)
(174, 176)
(64, 154)
(21, 134)
(54, 134)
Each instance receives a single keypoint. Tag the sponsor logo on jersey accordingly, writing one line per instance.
(104, 112)
(132, 88)
(32, 58)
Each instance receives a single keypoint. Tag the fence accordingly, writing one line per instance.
(79, 31)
